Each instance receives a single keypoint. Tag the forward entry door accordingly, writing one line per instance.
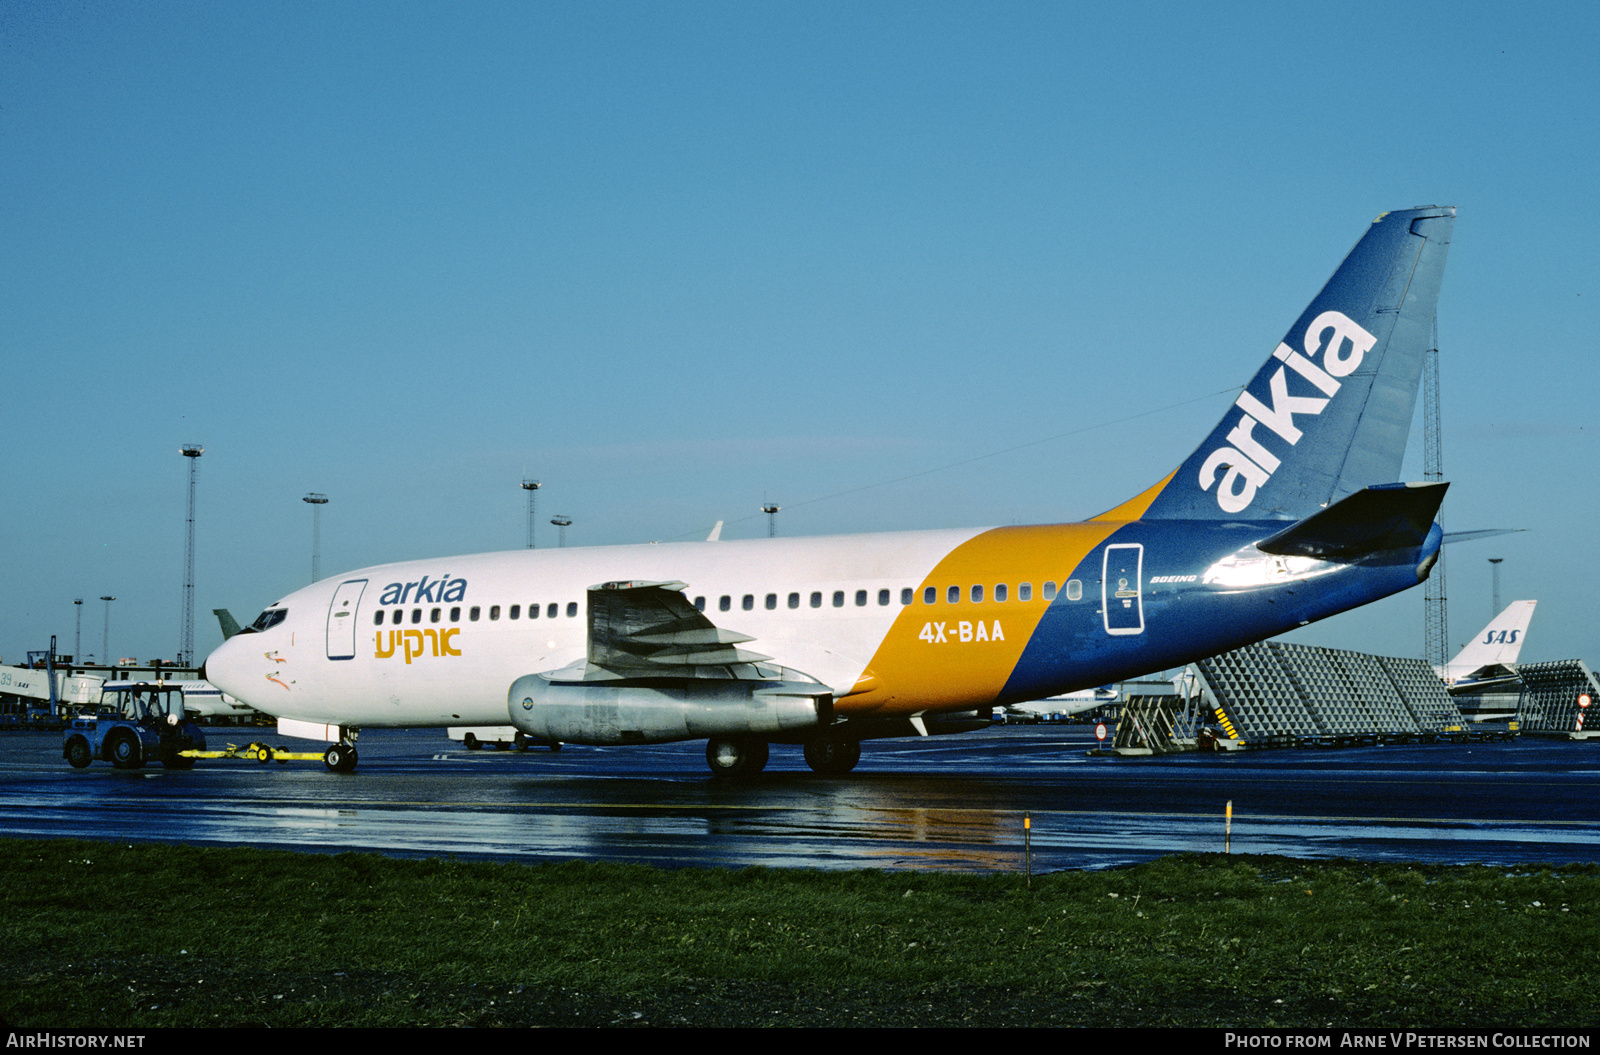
(342, 619)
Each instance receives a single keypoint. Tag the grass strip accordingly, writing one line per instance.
(100, 935)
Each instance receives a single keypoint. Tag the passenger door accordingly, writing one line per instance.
(342, 619)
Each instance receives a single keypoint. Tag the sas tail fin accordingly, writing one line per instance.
(1329, 413)
(1498, 643)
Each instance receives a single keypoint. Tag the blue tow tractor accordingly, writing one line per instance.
(134, 723)
(144, 721)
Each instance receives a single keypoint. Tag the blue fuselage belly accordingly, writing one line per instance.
(1201, 590)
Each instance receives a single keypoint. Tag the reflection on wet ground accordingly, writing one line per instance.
(954, 803)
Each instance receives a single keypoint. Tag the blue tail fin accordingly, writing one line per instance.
(1330, 411)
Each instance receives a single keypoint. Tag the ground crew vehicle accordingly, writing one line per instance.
(135, 722)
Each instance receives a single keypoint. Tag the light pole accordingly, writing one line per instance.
(191, 451)
(772, 519)
(77, 641)
(530, 486)
(316, 502)
(1494, 567)
(105, 639)
(563, 523)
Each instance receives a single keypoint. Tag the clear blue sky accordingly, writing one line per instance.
(677, 258)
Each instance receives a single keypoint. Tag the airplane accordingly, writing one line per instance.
(1486, 658)
(1288, 512)
(1067, 703)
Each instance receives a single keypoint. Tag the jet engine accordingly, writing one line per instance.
(554, 706)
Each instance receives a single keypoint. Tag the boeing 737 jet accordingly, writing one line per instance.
(1288, 512)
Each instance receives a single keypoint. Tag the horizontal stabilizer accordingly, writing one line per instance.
(1469, 536)
(1382, 517)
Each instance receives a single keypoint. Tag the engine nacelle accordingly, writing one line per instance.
(630, 713)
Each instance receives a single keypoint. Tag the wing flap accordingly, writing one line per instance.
(649, 629)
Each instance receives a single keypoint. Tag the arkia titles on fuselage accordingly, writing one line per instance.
(1287, 512)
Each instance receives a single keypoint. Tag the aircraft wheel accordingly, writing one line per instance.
(471, 742)
(125, 750)
(734, 758)
(340, 758)
(555, 745)
(78, 753)
(832, 755)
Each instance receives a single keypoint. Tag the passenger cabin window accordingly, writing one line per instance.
(930, 595)
(838, 598)
(953, 595)
(724, 603)
(1074, 590)
(883, 598)
(794, 600)
(572, 609)
(494, 612)
(377, 617)
(552, 610)
(999, 593)
(516, 610)
(748, 602)
(906, 594)
(416, 615)
(1025, 591)
(455, 615)
(472, 613)
(533, 611)
(1049, 591)
(816, 598)
(772, 601)
(434, 614)
(977, 595)
(699, 604)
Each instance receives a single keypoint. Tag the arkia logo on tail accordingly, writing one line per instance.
(1248, 464)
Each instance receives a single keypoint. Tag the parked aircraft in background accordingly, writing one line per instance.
(1496, 646)
(1288, 512)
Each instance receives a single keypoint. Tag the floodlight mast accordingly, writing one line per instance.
(191, 451)
(772, 519)
(105, 634)
(1494, 567)
(530, 486)
(563, 523)
(316, 501)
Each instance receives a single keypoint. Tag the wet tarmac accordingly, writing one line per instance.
(952, 803)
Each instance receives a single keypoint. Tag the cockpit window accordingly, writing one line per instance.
(267, 620)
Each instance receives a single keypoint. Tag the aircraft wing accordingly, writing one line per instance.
(650, 630)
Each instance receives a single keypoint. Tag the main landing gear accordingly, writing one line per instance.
(832, 755)
(741, 757)
(735, 757)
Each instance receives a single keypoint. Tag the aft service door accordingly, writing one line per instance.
(342, 619)
(1120, 593)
